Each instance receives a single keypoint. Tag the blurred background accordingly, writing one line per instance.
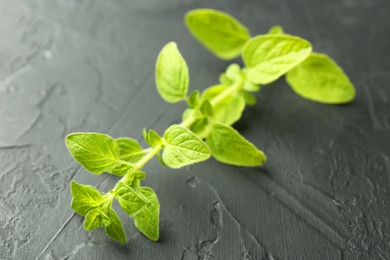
(88, 65)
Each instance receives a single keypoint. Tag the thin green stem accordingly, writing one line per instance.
(141, 163)
(147, 150)
(230, 90)
(191, 119)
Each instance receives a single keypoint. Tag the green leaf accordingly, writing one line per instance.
(160, 159)
(95, 152)
(131, 201)
(268, 57)
(115, 229)
(250, 99)
(193, 99)
(276, 29)
(206, 108)
(229, 110)
(187, 113)
(147, 221)
(232, 74)
(134, 179)
(121, 168)
(129, 150)
(153, 138)
(96, 218)
(228, 146)
(183, 147)
(252, 87)
(320, 79)
(145, 134)
(217, 31)
(171, 74)
(85, 198)
(225, 80)
(200, 127)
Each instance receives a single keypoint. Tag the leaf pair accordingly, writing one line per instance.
(89, 202)
(141, 204)
(227, 111)
(267, 57)
(319, 78)
(130, 200)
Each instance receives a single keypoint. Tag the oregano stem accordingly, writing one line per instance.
(147, 150)
(230, 90)
(188, 122)
(141, 163)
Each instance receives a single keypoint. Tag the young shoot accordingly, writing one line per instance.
(205, 129)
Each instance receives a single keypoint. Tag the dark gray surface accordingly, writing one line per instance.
(88, 66)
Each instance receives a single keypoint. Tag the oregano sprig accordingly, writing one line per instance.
(205, 129)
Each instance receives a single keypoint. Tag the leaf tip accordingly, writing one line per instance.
(73, 185)
(171, 44)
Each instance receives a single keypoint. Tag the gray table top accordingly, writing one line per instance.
(70, 66)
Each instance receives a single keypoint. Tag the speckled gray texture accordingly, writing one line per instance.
(88, 65)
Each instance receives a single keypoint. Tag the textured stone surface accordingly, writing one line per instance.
(88, 65)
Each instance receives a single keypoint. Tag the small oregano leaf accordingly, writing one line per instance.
(250, 86)
(133, 177)
(129, 149)
(200, 127)
(320, 79)
(95, 152)
(206, 108)
(183, 147)
(134, 180)
(121, 168)
(232, 75)
(249, 98)
(228, 146)
(225, 80)
(160, 160)
(233, 72)
(148, 220)
(227, 111)
(219, 32)
(154, 139)
(193, 99)
(96, 218)
(187, 113)
(268, 57)
(131, 201)
(115, 229)
(171, 74)
(276, 29)
(85, 198)
(145, 134)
